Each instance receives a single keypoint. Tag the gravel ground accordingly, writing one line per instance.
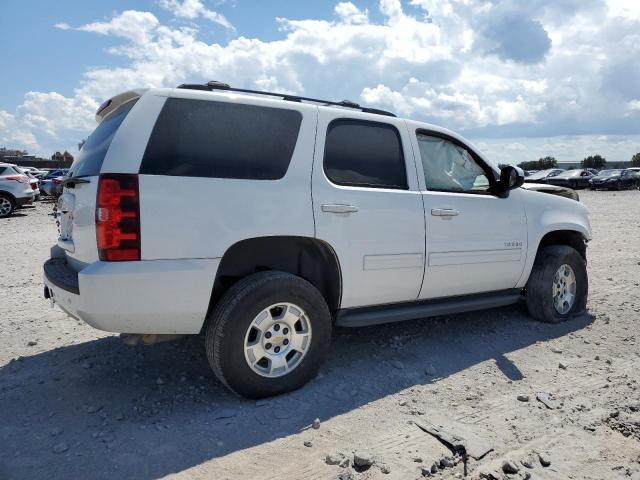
(77, 403)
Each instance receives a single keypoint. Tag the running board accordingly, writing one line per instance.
(397, 312)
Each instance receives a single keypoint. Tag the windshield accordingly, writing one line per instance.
(610, 173)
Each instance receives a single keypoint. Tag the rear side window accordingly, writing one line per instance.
(366, 154)
(89, 160)
(196, 138)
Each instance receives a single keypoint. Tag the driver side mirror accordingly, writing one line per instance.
(510, 177)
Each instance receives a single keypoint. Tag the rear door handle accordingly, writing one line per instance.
(339, 208)
(444, 212)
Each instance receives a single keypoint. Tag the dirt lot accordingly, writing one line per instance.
(76, 403)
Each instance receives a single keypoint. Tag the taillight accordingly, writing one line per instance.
(18, 178)
(118, 217)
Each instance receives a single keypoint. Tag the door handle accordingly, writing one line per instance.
(339, 208)
(444, 212)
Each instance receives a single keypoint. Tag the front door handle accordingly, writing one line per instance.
(444, 212)
(339, 208)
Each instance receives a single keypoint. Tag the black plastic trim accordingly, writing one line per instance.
(398, 312)
(213, 85)
(61, 275)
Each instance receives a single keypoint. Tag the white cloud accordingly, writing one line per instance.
(450, 64)
(192, 9)
(349, 13)
(634, 106)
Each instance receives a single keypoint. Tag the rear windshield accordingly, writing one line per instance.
(197, 138)
(89, 161)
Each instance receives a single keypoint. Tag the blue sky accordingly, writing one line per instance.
(522, 79)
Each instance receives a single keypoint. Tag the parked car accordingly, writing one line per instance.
(592, 170)
(53, 187)
(35, 184)
(15, 189)
(616, 179)
(553, 190)
(32, 170)
(33, 181)
(51, 183)
(574, 179)
(541, 176)
(280, 217)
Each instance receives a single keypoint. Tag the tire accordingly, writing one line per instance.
(7, 205)
(232, 321)
(540, 287)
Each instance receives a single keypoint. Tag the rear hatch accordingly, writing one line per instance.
(77, 204)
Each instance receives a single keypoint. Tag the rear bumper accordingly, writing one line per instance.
(22, 201)
(155, 296)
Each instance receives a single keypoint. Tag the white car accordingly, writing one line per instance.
(33, 181)
(263, 220)
(15, 189)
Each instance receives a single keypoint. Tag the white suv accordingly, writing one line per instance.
(15, 189)
(262, 220)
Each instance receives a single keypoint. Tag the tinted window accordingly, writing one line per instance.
(89, 160)
(196, 138)
(367, 154)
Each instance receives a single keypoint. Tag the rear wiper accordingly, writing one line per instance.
(72, 181)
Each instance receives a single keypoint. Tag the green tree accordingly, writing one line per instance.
(594, 161)
(635, 160)
(540, 164)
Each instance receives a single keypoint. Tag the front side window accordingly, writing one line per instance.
(364, 154)
(449, 167)
(200, 138)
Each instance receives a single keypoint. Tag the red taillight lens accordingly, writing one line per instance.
(18, 178)
(118, 218)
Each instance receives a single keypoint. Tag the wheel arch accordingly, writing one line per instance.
(572, 238)
(574, 235)
(309, 258)
(10, 195)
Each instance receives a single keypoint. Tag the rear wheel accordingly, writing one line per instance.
(268, 334)
(7, 206)
(558, 285)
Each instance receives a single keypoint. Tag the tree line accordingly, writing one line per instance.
(592, 161)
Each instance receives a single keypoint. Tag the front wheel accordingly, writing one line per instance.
(268, 334)
(558, 285)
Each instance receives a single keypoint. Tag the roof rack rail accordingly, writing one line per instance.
(215, 85)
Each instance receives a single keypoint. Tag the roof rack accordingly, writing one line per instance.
(215, 85)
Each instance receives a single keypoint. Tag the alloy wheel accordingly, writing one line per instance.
(564, 289)
(277, 340)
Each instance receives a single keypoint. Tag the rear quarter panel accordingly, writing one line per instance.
(197, 217)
